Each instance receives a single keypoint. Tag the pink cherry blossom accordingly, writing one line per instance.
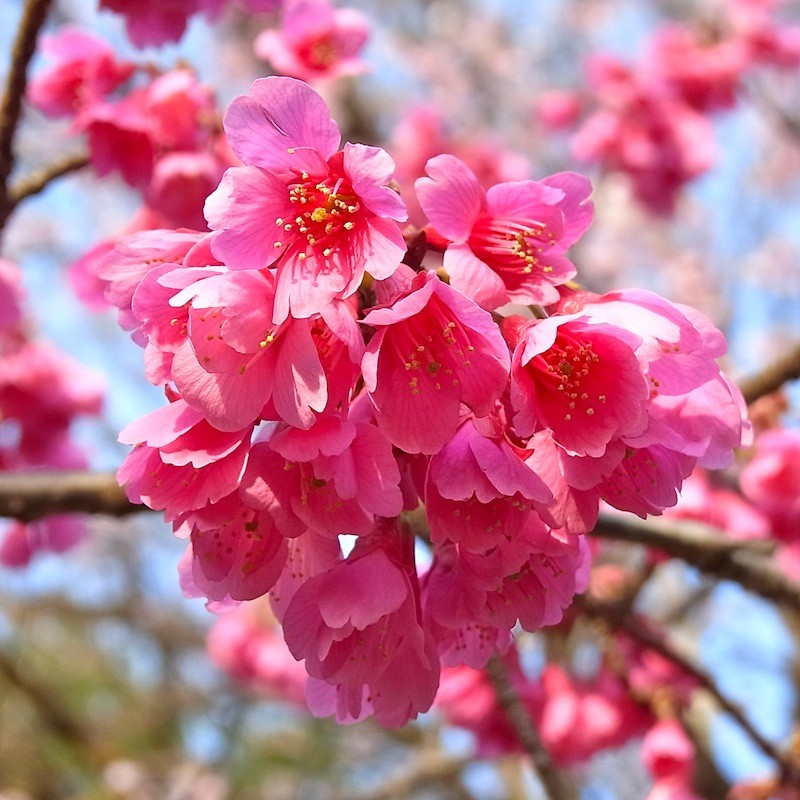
(12, 294)
(531, 579)
(132, 257)
(582, 380)
(771, 481)
(647, 480)
(84, 279)
(329, 213)
(237, 552)
(715, 505)
(667, 750)
(766, 40)
(85, 71)
(507, 244)
(581, 717)
(245, 644)
(173, 113)
(571, 480)
(315, 41)
(708, 423)
(434, 350)
(479, 489)
(307, 555)
(180, 462)
(235, 359)
(422, 134)
(648, 671)
(706, 75)
(676, 409)
(119, 138)
(179, 186)
(659, 141)
(42, 391)
(20, 542)
(337, 477)
(467, 698)
(668, 753)
(367, 651)
(557, 109)
(45, 389)
(156, 22)
(451, 599)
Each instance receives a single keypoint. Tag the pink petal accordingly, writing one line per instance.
(244, 209)
(522, 200)
(300, 386)
(370, 169)
(282, 125)
(473, 278)
(451, 197)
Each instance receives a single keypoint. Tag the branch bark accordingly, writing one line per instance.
(773, 376)
(40, 179)
(28, 496)
(620, 619)
(33, 17)
(554, 783)
(742, 562)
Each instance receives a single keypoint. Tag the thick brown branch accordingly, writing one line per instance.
(41, 178)
(33, 17)
(772, 377)
(742, 562)
(554, 784)
(621, 620)
(28, 496)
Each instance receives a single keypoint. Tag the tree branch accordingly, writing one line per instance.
(620, 619)
(431, 768)
(554, 784)
(772, 377)
(33, 17)
(28, 496)
(43, 177)
(53, 715)
(742, 562)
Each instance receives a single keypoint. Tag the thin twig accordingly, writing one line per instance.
(56, 718)
(553, 782)
(772, 377)
(620, 619)
(28, 496)
(432, 768)
(33, 17)
(742, 562)
(41, 178)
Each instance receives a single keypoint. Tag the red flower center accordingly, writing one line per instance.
(328, 211)
(511, 247)
(566, 369)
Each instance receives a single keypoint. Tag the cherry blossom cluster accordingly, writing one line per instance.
(156, 22)
(312, 40)
(324, 378)
(651, 120)
(160, 132)
(636, 694)
(42, 391)
(422, 134)
(767, 505)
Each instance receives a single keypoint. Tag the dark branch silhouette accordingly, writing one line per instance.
(33, 17)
